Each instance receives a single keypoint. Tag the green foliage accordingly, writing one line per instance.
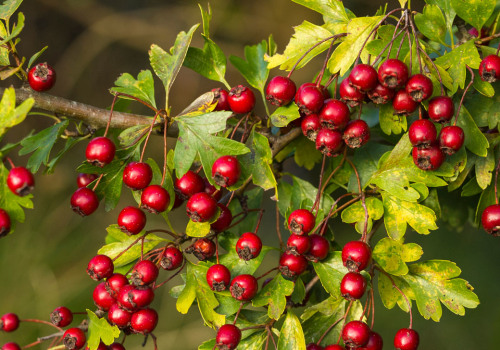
(291, 334)
(142, 87)
(274, 295)
(10, 202)
(100, 330)
(10, 115)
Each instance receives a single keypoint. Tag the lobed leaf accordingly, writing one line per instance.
(253, 68)
(142, 87)
(274, 296)
(10, 115)
(100, 330)
(474, 12)
(355, 213)
(393, 255)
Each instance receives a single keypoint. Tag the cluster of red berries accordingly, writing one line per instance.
(240, 99)
(9, 323)
(41, 77)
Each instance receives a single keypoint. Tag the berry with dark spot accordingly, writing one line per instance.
(228, 337)
(100, 151)
(226, 171)
(280, 91)
(356, 134)
(41, 77)
(244, 287)
(218, 277)
(20, 181)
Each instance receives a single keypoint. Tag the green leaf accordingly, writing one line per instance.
(306, 155)
(475, 141)
(486, 110)
(291, 334)
(484, 169)
(11, 203)
(484, 88)
(432, 23)
(34, 57)
(253, 199)
(10, 115)
(448, 10)
(142, 87)
(390, 296)
(8, 8)
(385, 34)
(299, 291)
(41, 144)
(391, 123)
(133, 135)
(355, 213)
(399, 213)
(16, 30)
(330, 272)
(254, 68)
(70, 142)
(282, 116)
(274, 295)
(474, 12)
(366, 162)
(332, 11)
(393, 255)
(197, 229)
(100, 330)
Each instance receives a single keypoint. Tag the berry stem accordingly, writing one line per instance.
(417, 43)
(217, 248)
(319, 78)
(465, 92)
(435, 68)
(174, 235)
(11, 163)
(328, 330)
(267, 273)
(278, 230)
(334, 171)
(363, 199)
(373, 308)
(97, 182)
(131, 245)
(171, 277)
(110, 115)
(261, 213)
(43, 322)
(333, 212)
(409, 47)
(344, 318)
(148, 135)
(400, 292)
(315, 206)
(156, 110)
(165, 153)
(238, 313)
(394, 36)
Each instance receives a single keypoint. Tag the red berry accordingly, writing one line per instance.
(144, 321)
(61, 316)
(248, 246)
(4, 223)
(419, 87)
(451, 139)
(221, 96)
(226, 171)
(9, 322)
(406, 339)
(115, 282)
(298, 244)
(133, 298)
(201, 207)
(203, 249)
(363, 77)
(74, 339)
(137, 175)
(244, 287)
(429, 158)
(83, 180)
(422, 133)
(393, 73)
(301, 221)
(228, 337)
(309, 98)
(119, 316)
(355, 334)
(218, 277)
(491, 219)
(319, 248)
(356, 134)
(102, 299)
(84, 201)
(375, 342)
(224, 220)
(381, 95)
(350, 95)
(441, 109)
(131, 220)
(489, 68)
(403, 103)
(352, 286)
(313, 346)
(280, 91)
(241, 99)
(155, 199)
(335, 347)
(144, 273)
(334, 115)
(356, 255)
(20, 181)
(310, 126)
(101, 346)
(116, 346)
(172, 258)
(190, 183)
(292, 265)
(100, 151)
(177, 201)
(99, 267)
(41, 77)
(10, 346)
(211, 190)
(329, 142)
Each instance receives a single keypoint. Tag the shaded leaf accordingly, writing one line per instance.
(330, 272)
(306, 155)
(391, 123)
(475, 141)
(484, 169)
(142, 87)
(8, 8)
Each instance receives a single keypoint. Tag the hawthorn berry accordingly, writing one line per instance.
(334, 115)
(190, 183)
(102, 298)
(221, 96)
(131, 220)
(298, 244)
(406, 339)
(4, 223)
(201, 207)
(99, 267)
(61, 316)
(363, 77)
(301, 221)
(291, 265)
(329, 142)
(313, 346)
(244, 287)
(172, 258)
(490, 219)
(310, 126)
(20, 181)
(309, 98)
(355, 334)
(393, 73)
(218, 277)
(144, 321)
(352, 286)
(155, 199)
(100, 151)
(451, 139)
(41, 77)
(356, 255)
(119, 316)
(133, 298)
(403, 104)
(228, 337)
(84, 201)
(115, 282)
(226, 171)
(441, 109)
(422, 133)
(202, 248)
(381, 95)
(9, 322)
(419, 87)
(144, 273)
(429, 158)
(280, 91)
(350, 95)
(335, 347)
(489, 68)
(248, 246)
(83, 180)
(319, 248)
(116, 346)
(356, 134)
(101, 346)
(74, 339)
(10, 346)
(137, 175)
(375, 342)
(241, 99)
(224, 220)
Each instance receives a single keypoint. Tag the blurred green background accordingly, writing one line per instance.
(42, 265)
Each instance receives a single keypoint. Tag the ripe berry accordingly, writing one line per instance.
(319, 248)
(41, 77)
(172, 258)
(334, 115)
(350, 95)
(375, 342)
(211, 190)
(429, 158)
(335, 347)
(352, 286)
(9, 322)
(380, 94)
(363, 77)
(115, 282)
(310, 126)
(203, 249)
(221, 96)
(143, 273)
(144, 321)
(100, 151)
(190, 183)
(491, 219)
(356, 255)
(329, 142)
(102, 299)
(228, 337)
(406, 339)
(356, 134)
(116, 346)
(20, 181)
(4, 223)
(218, 277)
(101, 346)
(177, 201)
(419, 87)
(451, 139)
(226, 171)
(99, 267)
(441, 109)
(201, 207)
(224, 220)
(133, 298)
(355, 334)
(74, 339)
(301, 221)
(313, 346)
(155, 199)
(309, 98)
(489, 68)
(403, 104)
(131, 220)
(248, 246)
(280, 91)
(422, 133)
(241, 99)
(119, 316)
(10, 346)
(393, 73)
(61, 316)
(292, 265)
(298, 244)
(244, 287)
(137, 175)
(83, 180)
(84, 201)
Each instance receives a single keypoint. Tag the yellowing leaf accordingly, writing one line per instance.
(100, 330)
(393, 255)
(355, 213)
(10, 115)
